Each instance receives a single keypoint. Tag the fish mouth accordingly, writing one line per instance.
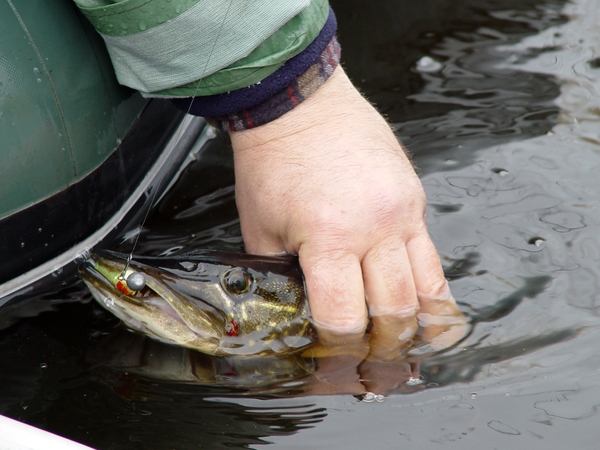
(155, 309)
(183, 302)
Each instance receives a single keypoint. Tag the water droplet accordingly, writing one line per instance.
(473, 395)
(370, 397)
(428, 65)
(412, 381)
(124, 26)
(43, 366)
(22, 244)
(59, 135)
(142, 25)
(537, 241)
(39, 230)
(501, 172)
(36, 70)
(39, 80)
(178, 8)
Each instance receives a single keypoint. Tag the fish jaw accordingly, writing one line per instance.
(152, 314)
(271, 317)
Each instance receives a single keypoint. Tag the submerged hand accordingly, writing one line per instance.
(378, 362)
(330, 182)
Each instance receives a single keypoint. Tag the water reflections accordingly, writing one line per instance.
(133, 364)
(476, 100)
(503, 120)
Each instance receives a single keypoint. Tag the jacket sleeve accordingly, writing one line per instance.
(182, 48)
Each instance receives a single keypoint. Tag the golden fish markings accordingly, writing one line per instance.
(215, 302)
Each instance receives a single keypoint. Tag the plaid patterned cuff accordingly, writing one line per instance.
(288, 98)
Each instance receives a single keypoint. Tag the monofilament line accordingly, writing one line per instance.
(177, 137)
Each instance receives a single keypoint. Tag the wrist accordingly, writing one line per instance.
(286, 90)
(336, 104)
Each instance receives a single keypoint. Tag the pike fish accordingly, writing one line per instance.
(218, 303)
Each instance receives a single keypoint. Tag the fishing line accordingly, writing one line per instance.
(177, 137)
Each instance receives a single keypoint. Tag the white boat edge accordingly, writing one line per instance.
(15, 435)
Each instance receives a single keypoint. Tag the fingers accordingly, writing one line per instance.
(335, 290)
(406, 283)
(335, 375)
(390, 288)
(391, 337)
(429, 280)
(441, 321)
(398, 284)
(338, 359)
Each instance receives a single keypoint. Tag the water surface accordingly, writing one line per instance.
(499, 103)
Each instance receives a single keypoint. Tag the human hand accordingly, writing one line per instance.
(330, 182)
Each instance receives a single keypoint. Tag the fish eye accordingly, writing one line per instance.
(237, 281)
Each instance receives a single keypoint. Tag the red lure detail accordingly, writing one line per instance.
(233, 331)
(122, 286)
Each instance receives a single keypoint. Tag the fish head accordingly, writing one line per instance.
(218, 303)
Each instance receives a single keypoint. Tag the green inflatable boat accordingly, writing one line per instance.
(81, 157)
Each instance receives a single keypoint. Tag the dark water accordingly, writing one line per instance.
(499, 102)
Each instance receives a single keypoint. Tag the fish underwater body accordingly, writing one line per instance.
(219, 303)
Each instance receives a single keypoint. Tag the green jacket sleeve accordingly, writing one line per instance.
(202, 47)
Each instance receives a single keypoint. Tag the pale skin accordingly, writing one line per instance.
(330, 182)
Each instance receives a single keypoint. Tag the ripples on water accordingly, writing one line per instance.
(499, 102)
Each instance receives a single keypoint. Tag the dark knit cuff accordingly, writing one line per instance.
(285, 88)
(286, 99)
